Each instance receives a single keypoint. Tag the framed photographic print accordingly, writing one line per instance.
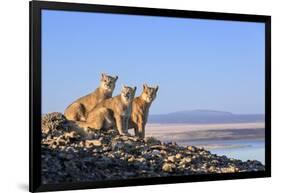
(125, 96)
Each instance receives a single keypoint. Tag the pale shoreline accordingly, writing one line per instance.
(161, 127)
(206, 132)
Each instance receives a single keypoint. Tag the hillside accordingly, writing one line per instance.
(69, 157)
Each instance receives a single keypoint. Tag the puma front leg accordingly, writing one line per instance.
(126, 124)
(136, 131)
(141, 131)
(119, 124)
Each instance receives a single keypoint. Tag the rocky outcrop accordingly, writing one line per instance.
(69, 157)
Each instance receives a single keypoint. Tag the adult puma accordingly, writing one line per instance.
(78, 110)
(113, 112)
(140, 110)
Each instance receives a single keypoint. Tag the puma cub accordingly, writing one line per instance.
(140, 110)
(78, 110)
(113, 112)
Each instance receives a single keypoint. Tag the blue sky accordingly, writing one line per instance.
(198, 64)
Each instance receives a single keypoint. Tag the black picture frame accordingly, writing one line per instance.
(35, 93)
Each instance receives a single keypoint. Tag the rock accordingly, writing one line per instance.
(66, 157)
(163, 152)
(141, 159)
(152, 141)
(160, 147)
(214, 162)
(116, 145)
(93, 142)
(129, 174)
(185, 161)
(124, 137)
(131, 159)
(172, 158)
(167, 167)
(178, 156)
(69, 156)
(106, 148)
(71, 134)
(54, 146)
(191, 148)
(230, 169)
(212, 169)
(155, 152)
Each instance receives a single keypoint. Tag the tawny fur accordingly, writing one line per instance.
(78, 110)
(97, 119)
(140, 110)
(113, 112)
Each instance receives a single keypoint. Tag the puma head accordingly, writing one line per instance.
(149, 93)
(108, 82)
(128, 93)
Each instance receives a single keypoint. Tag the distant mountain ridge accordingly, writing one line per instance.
(204, 117)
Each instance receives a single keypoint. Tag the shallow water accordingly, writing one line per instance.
(252, 149)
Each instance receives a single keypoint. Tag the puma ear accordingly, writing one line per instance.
(156, 88)
(144, 86)
(102, 75)
(116, 77)
(122, 86)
